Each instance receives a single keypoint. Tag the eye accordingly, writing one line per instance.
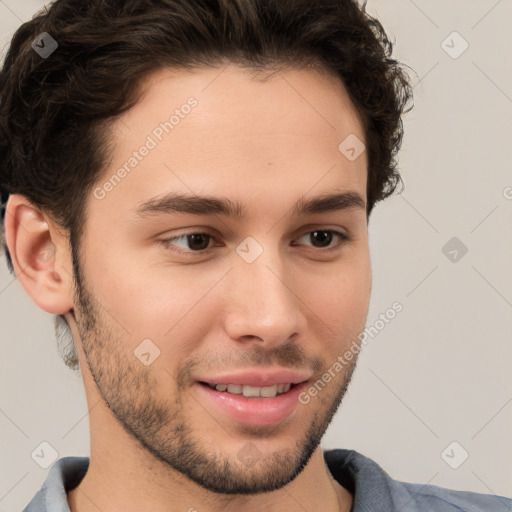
(194, 242)
(324, 237)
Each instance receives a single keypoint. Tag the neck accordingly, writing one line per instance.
(115, 483)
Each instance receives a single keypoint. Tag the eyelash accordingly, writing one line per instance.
(343, 239)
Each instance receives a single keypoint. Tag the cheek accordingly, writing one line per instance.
(338, 300)
(156, 303)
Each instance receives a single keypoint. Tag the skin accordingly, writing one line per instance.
(263, 144)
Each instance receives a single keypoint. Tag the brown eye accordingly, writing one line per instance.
(198, 241)
(322, 238)
(193, 242)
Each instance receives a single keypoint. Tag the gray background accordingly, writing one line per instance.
(440, 371)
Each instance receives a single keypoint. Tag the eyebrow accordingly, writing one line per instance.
(208, 205)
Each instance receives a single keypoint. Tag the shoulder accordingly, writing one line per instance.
(374, 489)
(64, 475)
(434, 498)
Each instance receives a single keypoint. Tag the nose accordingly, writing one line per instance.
(262, 304)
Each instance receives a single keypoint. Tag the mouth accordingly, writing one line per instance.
(251, 405)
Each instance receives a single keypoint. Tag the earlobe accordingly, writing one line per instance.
(40, 255)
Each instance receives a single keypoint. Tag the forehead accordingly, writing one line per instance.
(220, 131)
(292, 103)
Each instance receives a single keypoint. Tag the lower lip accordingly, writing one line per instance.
(255, 411)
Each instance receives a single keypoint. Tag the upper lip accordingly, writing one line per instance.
(259, 378)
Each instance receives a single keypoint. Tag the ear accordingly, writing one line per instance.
(40, 255)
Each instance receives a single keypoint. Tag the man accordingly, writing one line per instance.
(188, 186)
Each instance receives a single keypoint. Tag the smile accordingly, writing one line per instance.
(251, 405)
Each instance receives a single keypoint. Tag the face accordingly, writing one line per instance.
(259, 287)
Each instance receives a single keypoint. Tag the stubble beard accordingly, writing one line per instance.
(162, 428)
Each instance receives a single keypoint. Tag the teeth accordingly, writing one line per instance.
(271, 391)
(283, 388)
(253, 391)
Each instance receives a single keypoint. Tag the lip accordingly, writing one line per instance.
(259, 378)
(252, 410)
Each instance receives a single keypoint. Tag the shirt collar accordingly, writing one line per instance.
(371, 487)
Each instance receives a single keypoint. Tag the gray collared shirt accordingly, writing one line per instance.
(373, 489)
